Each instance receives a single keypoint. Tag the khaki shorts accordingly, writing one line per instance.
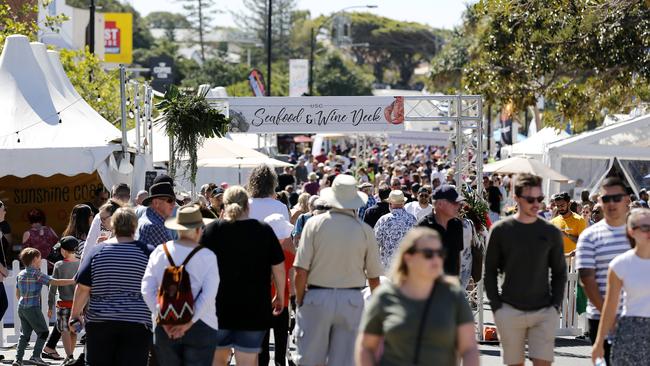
(516, 326)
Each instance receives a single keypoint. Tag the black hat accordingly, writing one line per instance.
(69, 243)
(160, 190)
(423, 190)
(217, 192)
(447, 192)
(163, 178)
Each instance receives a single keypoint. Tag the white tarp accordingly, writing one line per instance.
(534, 145)
(316, 114)
(46, 128)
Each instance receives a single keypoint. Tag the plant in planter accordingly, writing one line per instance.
(475, 209)
(188, 120)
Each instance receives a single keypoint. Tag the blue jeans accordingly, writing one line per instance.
(31, 319)
(195, 348)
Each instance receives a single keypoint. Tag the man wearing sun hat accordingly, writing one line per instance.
(336, 255)
(391, 228)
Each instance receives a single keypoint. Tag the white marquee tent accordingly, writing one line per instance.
(534, 145)
(588, 157)
(42, 118)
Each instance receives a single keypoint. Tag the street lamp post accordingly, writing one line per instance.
(314, 32)
(268, 50)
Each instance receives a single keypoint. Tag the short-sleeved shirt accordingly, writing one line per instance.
(397, 318)
(246, 250)
(389, 231)
(114, 273)
(597, 246)
(151, 229)
(452, 240)
(338, 250)
(261, 208)
(29, 283)
(634, 271)
(573, 225)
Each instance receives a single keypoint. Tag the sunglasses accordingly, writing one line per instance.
(531, 199)
(643, 228)
(428, 253)
(613, 197)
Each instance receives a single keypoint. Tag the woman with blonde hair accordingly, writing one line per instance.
(301, 208)
(421, 316)
(629, 272)
(247, 252)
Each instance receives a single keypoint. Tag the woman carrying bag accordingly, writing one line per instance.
(422, 316)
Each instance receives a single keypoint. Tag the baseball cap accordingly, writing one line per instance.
(217, 191)
(69, 243)
(423, 190)
(447, 192)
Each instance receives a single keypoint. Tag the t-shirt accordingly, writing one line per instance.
(573, 225)
(114, 272)
(261, 208)
(597, 246)
(288, 263)
(63, 269)
(246, 250)
(452, 241)
(524, 254)
(494, 198)
(635, 272)
(397, 318)
(416, 210)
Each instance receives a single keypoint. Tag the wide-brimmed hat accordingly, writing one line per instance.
(396, 196)
(344, 193)
(187, 218)
(312, 176)
(160, 190)
(365, 185)
(281, 227)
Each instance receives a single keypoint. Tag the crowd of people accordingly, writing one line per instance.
(315, 257)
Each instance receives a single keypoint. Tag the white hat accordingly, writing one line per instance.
(281, 227)
(396, 196)
(344, 193)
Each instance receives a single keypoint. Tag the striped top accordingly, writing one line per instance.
(597, 246)
(114, 272)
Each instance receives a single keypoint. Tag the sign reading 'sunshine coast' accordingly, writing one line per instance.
(316, 114)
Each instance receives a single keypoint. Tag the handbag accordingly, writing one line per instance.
(423, 320)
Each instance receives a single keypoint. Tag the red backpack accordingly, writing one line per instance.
(175, 299)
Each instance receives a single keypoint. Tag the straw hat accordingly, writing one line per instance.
(344, 193)
(187, 218)
(396, 197)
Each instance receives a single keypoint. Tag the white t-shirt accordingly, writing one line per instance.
(416, 210)
(635, 272)
(261, 208)
(204, 277)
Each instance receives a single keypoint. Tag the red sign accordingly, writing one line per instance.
(111, 37)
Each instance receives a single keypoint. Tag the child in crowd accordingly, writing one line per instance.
(65, 268)
(28, 292)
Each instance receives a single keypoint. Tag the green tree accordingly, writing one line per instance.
(199, 14)
(20, 20)
(167, 21)
(216, 72)
(337, 76)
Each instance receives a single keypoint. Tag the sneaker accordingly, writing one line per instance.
(69, 360)
(17, 363)
(38, 361)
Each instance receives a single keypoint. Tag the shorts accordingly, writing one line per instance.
(516, 326)
(63, 319)
(247, 341)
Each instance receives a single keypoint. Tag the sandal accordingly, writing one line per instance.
(54, 355)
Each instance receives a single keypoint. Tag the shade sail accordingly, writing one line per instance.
(522, 164)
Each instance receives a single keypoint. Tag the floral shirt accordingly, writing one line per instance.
(389, 231)
(371, 202)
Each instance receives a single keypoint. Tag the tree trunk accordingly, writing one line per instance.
(538, 117)
(202, 43)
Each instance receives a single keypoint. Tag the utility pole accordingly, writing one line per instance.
(269, 43)
(201, 31)
(311, 62)
(91, 27)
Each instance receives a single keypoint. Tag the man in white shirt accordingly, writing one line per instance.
(422, 206)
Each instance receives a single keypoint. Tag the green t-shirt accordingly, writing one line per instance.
(396, 317)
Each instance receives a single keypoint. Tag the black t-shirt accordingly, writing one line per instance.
(245, 252)
(494, 198)
(373, 213)
(285, 180)
(452, 241)
(5, 246)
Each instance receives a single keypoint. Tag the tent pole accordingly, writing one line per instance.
(123, 107)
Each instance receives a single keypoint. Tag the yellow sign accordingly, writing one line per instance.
(55, 196)
(118, 38)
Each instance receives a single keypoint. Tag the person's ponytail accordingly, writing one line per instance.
(235, 202)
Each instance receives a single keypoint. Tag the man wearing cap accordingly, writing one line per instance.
(382, 207)
(151, 226)
(643, 197)
(367, 189)
(336, 255)
(391, 228)
(570, 223)
(216, 201)
(444, 219)
(422, 206)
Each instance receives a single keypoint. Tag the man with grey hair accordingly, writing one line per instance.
(391, 228)
(337, 254)
(141, 196)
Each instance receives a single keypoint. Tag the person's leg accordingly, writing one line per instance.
(314, 320)
(198, 345)
(69, 339)
(37, 320)
(25, 334)
(349, 308)
(541, 335)
(168, 352)
(223, 348)
(221, 357)
(264, 355)
(52, 340)
(511, 326)
(247, 345)
(4, 303)
(136, 341)
(245, 358)
(101, 344)
(281, 337)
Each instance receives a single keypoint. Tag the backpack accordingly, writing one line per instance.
(175, 299)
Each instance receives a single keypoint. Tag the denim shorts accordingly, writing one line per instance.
(247, 341)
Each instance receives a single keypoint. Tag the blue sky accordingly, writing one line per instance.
(436, 13)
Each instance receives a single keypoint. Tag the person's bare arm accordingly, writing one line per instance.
(467, 347)
(62, 281)
(25, 237)
(589, 284)
(366, 349)
(608, 313)
(81, 296)
(300, 282)
(17, 294)
(279, 279)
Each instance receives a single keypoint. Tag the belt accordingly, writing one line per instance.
(314, 287)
